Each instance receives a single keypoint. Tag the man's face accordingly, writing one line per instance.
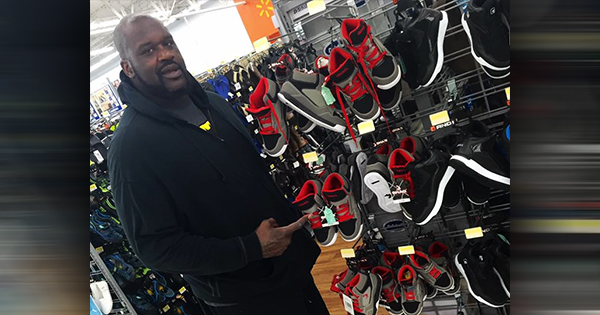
(155, 60)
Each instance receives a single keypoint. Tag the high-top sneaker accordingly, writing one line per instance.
(401, 43)
(337, 194)
(488, 35)
(340, 281)
(413, 290)
(392, 260)
(378, 179)
(476, 266)
(269, 112)
(440, 254)
(309, 202)
(382, 66)
(431, 272)
(358, 169)
(499, 249)
(322, 65)
(390, 292)
(365, 290)
(453, 192)
(356, 87)
(284, 69)
(476, 193)
(402, 183)
(414, 145)
(431, 291)
(430, 177)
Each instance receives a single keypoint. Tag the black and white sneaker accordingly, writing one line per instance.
(378, 179)
(478, 158)
(358, 169)
(476, 266)
(499, 249)
(429, 30)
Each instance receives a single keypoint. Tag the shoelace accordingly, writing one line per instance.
(355, 303)
(343, 212)
(388, 293)
(375, 56)
(315, 220)
(266, 122)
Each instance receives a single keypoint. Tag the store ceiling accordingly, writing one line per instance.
(105, 14)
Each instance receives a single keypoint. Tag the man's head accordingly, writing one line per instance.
(150, 57)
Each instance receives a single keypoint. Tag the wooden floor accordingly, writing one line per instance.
(328, 264)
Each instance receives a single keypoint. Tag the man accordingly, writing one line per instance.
(193, 195)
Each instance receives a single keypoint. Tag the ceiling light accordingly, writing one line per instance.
(101, 51)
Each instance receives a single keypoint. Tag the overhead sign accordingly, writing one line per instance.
(301, 10)
(327, 49)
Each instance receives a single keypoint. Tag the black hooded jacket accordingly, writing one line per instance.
(190, 201)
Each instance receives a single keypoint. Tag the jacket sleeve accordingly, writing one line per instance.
(149, 220)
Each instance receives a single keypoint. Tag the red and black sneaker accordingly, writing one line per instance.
(365, 291)
(270, 113)
(402, 184)
(431, 272)
(414, 145)
(337, 194)
(391, 292)
(340, 281)
(284, 69)
(392, 260)
(439, 253)
(310, 202)
(412, 289)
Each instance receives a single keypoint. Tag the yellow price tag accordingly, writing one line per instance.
(347, 253)
(475, 232)
(507, 91)
(99, 249)
(93, 187)
(166, 308)
(439, 118)
(366, 127)
(310, 157)
(250, 89)
(315, 6)
(406, 250)
(238, 94)
(272, 166)
(182, 290)
(91, 162)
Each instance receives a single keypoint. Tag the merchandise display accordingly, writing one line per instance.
(379, 129)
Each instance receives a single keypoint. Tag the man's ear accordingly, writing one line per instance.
(127, 68)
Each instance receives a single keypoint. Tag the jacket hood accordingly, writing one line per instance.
(134, 98)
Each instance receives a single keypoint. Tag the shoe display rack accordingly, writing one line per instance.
(99, 272)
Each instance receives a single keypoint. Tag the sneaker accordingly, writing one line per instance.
(379, 62)
(401, 43)
(488, 35)
(302, 93)
(495, 74)
(439, 253)
(101, 294)
(430, 291)
(392, 260)
(477, 193)
(402, 185)
(414, 145)
(340, 281)
(119, 267)
(377, 179)
(337, 194)
(453, 192)
(357, 89)
(428, 29)
(270, 113)
(141, 304)
(322, 65)
(500, 251)
(106, 230)
(431, 272)
(358, 169)
(476, 266)
(413, 290)
(430, 178)
(390, 292)
(310, 202)
(390, 99)
(284, 69)
(478, 158)
(365, 290)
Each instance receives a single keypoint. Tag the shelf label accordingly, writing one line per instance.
(406, 250)
(310, 157)
(366, 127)
(439, 118)
(93, 187)
(98, 156)
(166, 308)
(182, 290)
(347, 253)
(507, 91)
(99, 249)
(475, 232)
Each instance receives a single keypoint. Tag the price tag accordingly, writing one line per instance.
(281, 157)
(310, 157)
(98, 156)
(329, 216)
(93, 187)
(255, 131)
(230, 94)
(439, 118)
(91, 162)
(327, 96)
(272, 166)
(237, 86)
(182, 290)
(366, 127)
(249, 118)
(296, 164)
(507, 91)
(108, 188)
(238, 94)
(99, 249)
(250, 89)
(406, 250)
(475, 232)
(166, 308)
(348, 305)
(347, 253)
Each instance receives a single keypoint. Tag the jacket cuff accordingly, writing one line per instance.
(252, 247)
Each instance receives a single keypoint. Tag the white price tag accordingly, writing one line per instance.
(230, 94)
(366, 127)
(238, 86)
(348, 305)
(98, 156)
(255, 131)
(296, 164)
(249, 118)
(402, 200)
(250, 89)
(439, 118)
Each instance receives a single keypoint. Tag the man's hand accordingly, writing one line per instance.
(274, 240)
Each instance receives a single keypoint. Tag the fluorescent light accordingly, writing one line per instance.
(102, 30)
(97, 25)
(103, 61)
(101, 51)
(315, 6)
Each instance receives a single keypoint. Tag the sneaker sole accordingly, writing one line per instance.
(367, 119)
(378, 185)
(278, 153)
(360, 229)
(480, 60)
(440, 48)
(495, 77)
(393, 83)
(477, 168)
(336, 127)
(440, 195)
(477, 297)
(502, 282)
(330, 242)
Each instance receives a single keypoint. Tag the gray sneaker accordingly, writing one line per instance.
(377, 179)
(340, 282)
(302, 93)
(310, 202)
(270, 113)
(413, 290)
(338, 195)
(431, 272)
(365, 290)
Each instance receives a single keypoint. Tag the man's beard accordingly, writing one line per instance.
(160, 91)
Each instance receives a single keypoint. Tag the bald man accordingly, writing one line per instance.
(193, 195)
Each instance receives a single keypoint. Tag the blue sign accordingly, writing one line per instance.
(93, 112)
(327, 50)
